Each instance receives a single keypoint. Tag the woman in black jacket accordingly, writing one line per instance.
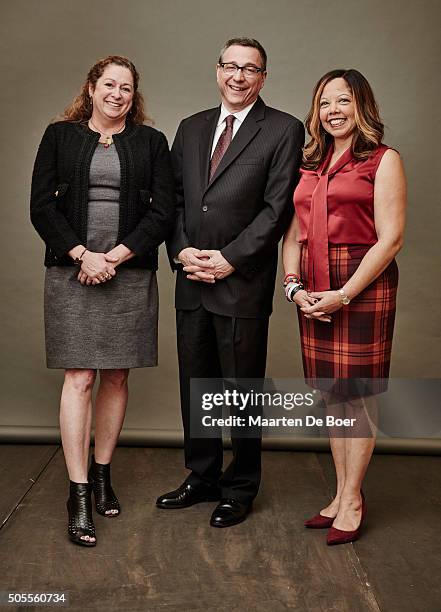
(102, 200)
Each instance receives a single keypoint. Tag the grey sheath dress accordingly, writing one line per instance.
(113, 324)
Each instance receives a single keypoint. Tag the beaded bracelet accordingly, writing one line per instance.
(291, 278)
(79, 260)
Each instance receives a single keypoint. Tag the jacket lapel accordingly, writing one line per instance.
(243, 137)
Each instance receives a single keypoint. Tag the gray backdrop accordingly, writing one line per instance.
(47, 49)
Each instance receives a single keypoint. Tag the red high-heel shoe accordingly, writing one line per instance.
(319, 522)
(339, 536)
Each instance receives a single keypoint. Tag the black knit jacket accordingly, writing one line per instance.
(60, 184)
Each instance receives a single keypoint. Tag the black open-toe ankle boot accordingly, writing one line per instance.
(105, 498)
(79, 507)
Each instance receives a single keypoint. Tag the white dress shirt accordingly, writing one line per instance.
(239, 118)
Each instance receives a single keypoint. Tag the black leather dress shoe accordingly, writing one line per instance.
(187, 495)
(229, 512)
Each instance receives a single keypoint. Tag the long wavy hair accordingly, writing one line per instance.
(81, 107)
(369, 129)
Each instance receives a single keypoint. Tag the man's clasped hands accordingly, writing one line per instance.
(206, 266)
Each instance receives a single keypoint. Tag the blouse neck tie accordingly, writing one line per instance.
(318, 257)
(318, 254)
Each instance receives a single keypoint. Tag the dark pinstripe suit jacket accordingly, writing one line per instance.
(242, 212)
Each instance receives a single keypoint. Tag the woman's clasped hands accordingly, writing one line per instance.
(97, 268)
(318, 305)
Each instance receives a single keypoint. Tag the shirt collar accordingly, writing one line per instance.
(338, 165)
(239, 116)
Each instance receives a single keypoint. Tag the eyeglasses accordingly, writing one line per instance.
(249, 71)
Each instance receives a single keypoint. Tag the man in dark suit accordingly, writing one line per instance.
(236, 168)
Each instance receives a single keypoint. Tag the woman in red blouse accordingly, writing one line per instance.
(338, 256)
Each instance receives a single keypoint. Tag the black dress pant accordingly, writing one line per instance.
(214, 346)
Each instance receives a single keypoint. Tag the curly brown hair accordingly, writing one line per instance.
(81, 107)
(369, 128)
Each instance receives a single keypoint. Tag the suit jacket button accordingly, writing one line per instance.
(205, 208)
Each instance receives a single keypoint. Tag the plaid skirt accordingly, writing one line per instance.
(351, 355)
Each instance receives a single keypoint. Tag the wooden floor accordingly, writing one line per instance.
(150, 559)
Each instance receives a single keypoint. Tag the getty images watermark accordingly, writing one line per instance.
(244, 402)
(291, 407)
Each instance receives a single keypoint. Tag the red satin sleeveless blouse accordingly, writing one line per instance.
(336, 207)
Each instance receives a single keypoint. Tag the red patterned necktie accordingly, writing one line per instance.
(222, 145)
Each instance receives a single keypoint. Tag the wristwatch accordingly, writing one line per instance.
(344, 298)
